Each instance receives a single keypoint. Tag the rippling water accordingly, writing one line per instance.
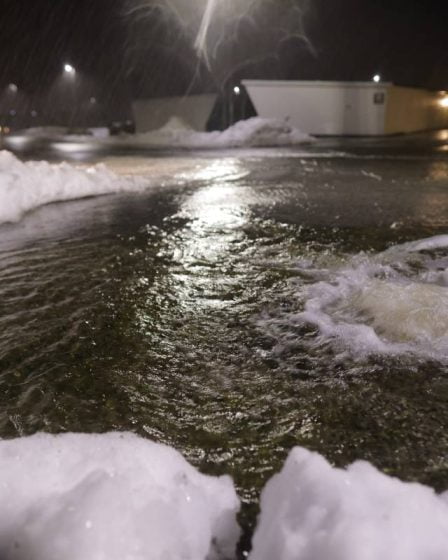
(173, 314)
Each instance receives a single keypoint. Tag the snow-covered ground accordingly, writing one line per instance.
(24, 186)
(111, 496)
(118, 496)
(252, 132)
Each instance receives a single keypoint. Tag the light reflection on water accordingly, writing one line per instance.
(215, 215)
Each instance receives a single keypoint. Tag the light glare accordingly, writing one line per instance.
(376, 78)
(69, 69)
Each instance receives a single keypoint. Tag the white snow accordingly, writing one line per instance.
(110, 497)
(430, 244)
(249, 133)
(24, 186)
(392, 303)
(312, 511)
(28, 185)
(117, 496)
(406, 311)
(252, 132)
(99, 132)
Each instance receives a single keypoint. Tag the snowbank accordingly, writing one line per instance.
(117, 496)
(24, 186)
(393, 303)
(114, 496)
(252, 132)
(311, 511)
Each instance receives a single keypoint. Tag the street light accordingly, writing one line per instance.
(376, 78)
(13, 88)
(236, 91)
(69, 69)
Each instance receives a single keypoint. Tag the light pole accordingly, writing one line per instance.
(9, 105)
(69, 78)
(236, 91)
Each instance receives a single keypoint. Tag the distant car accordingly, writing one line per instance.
(120, 127)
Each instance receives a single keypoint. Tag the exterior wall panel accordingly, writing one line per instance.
(328, 108)
(412, 109)
(194, 110)
(348, 108)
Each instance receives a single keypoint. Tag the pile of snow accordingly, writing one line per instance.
(392, 303)
(99, 132)
(311, 511)
(114, 496)
(24, 186)
(252, 132)
(176, 133)
(121, 497)
(405, 311)
(175, 123)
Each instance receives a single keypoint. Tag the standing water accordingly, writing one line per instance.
(255, 302)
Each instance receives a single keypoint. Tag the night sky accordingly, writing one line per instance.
(120, 56)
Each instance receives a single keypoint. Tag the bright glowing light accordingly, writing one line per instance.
(69, 69)
(236, 90)
(444, 101)
(213, 27)
(200, 43)
(13, 88)
(376, 78)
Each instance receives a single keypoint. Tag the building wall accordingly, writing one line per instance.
(348, 108)
(331, 108)
(194, 110)
(412, 109)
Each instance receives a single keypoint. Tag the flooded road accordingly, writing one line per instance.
(183, 313)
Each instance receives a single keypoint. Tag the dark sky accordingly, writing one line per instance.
(119, 57)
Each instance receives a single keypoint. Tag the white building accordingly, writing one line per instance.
(349, 108)
(193, 110)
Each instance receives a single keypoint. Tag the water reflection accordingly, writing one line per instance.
(222, 206)
(216, 215)
(230, 169)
